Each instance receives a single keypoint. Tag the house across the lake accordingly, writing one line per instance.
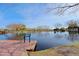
(73, 29)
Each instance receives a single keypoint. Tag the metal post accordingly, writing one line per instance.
(27, 35)
(24, 38)
(29, 38)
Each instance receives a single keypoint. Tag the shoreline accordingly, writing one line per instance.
(67, 50)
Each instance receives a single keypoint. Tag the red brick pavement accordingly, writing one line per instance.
(14, 47)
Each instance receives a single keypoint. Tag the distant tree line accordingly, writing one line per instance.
(21, 28)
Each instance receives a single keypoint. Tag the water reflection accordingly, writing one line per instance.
(59, 35)
(50, 39)
(73, 36)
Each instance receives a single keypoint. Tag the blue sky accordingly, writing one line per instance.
(32, 15)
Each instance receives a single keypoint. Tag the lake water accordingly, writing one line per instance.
(50, 39)
(47, 40)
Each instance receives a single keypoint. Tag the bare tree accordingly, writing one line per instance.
(58, 25)
(72, 23)
(17, 27)
(43, 27)
(72, 7)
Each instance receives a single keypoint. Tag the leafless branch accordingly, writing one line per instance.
(61, 10)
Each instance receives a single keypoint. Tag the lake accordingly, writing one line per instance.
(47, 40)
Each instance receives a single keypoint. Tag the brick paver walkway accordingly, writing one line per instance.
(14, 47)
